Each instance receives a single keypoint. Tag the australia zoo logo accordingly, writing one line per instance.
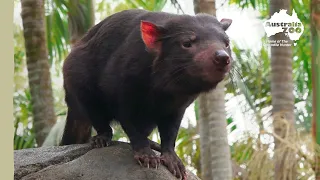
(281, 22)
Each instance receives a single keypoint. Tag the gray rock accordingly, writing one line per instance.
(81, 162)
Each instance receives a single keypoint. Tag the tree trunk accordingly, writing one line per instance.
(33, 19)
(204, 131)
(220, 150)
(215, 152)
(282, 97)
(315, 37)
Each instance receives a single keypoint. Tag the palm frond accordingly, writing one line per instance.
(151, 5)
(57, 30)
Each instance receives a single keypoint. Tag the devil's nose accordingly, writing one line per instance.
(222, 58)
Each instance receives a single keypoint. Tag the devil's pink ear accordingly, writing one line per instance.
(150, 34)
(225, 23)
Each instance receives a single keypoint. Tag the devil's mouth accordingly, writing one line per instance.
(222, 70)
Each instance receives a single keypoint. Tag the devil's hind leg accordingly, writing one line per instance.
(83, 113)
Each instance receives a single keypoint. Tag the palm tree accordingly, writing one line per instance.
(282, 96)
(215, 152)
(39, 78)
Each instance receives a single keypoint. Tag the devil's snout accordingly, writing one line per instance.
(221, 58)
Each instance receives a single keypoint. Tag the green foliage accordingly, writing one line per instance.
(57, 30)
(196, 109)
(302, 67)
(250, 77)
(65, 18)
(258, 89)
(301, 63)
(105, 9)
(261, 5)
(315, 38)
(188, 147)
(118, 132)
(19, 59)
(151, 5)
(230, 122)
(23, 140)
(242, 150)
(23, 135)
(80, 17)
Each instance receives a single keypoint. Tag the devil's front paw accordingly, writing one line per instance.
(147, 158)
(174, 164)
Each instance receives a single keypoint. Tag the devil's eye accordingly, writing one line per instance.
(187, 44)
(227, 43)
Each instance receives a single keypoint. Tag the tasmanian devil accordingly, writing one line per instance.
(142, 69)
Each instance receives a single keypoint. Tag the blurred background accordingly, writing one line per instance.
(256, 125)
